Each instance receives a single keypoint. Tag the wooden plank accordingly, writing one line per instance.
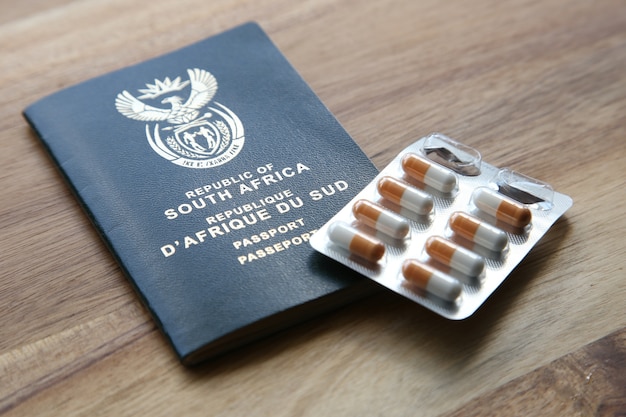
(590, 381)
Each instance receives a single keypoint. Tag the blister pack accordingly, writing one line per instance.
(440, 226)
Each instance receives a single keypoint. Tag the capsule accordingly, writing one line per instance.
(381, 219)
(358, 243)
(471, 228)
(428, 173)
(405, 196)
(431, 280)
(454, 256)
(501, 207)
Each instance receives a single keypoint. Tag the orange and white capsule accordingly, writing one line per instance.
(431, 280)
(501, 207)
(429, 173)
(381, 219)
(358, 243)
(405, 196)
(455, 256)
(471, 228)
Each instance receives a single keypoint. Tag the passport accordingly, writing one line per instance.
(206, 171)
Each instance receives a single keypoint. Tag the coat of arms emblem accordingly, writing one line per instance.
(190, 133)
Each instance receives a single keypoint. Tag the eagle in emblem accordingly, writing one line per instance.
(203, 88)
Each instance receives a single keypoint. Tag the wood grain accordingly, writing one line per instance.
(538, 86)
(588, 382)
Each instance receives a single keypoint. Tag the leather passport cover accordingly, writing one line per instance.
(206, 171)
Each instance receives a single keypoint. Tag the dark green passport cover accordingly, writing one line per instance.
(205, 171)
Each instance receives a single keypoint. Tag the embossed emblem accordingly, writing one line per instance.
(190, 133)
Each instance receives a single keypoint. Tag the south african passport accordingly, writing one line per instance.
(206, 171)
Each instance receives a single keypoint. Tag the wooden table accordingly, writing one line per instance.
(539, 86)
